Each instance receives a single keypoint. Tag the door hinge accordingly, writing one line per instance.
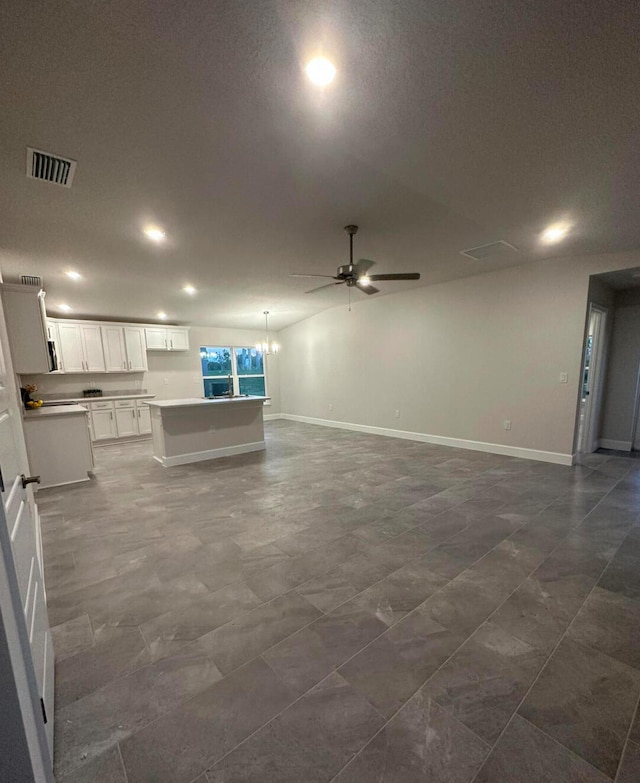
(44, 710)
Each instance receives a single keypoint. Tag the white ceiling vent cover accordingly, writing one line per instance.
(50, 168)
(489, 252)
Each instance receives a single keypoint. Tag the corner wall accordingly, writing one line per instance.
(455, 359)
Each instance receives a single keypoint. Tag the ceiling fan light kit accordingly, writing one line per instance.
(357, 275)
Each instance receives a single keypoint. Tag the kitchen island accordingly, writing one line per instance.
(197, 429)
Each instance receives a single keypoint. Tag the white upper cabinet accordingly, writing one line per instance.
(178, 339)
(114, 350)
(81, 348)
(136, 348)
(124, 348)
(174, 338)
(26, 324)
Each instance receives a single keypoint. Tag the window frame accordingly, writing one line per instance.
(235, 376)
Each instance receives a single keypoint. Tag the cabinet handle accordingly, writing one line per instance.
(171, 344)
(111, 415)
(129, 365)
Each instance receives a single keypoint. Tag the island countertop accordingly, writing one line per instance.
(190, 402)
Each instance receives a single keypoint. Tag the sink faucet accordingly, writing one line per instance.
(230, 386)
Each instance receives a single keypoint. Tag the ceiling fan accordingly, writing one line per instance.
(357, 274)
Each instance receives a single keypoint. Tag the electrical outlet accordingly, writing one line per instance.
(330, 406)
(165, 381)
(397, 414)
(564, 377)
(507, 424)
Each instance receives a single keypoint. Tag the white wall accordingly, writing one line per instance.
(181, 369)
(456, 359)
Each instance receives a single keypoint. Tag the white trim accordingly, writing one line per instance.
(473, 445)
(618, 445)
(271, 416)
(201, 456)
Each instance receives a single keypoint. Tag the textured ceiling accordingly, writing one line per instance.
(451, 123)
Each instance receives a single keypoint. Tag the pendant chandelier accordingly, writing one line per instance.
(267, 348)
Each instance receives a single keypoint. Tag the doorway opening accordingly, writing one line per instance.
(592, 380)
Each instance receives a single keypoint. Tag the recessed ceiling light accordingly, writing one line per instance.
(320, 71)
(555, 233)
(64, 307)
(73, 275)
(189, 289)
(162, 315)
(155, 233)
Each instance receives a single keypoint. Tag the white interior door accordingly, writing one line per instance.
(593, 366)
(22, 593)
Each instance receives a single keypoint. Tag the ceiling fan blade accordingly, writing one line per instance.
(363, 265)
(296, 275)
(367, 289)
(402, 276)
(320, 287)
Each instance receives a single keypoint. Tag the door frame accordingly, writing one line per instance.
(588, 432)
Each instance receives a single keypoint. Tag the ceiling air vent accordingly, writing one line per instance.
(493, 250)
(31, 280)
(50, 168)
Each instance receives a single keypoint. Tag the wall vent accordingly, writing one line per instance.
(50, 168)
(31, 280)
(493, 250)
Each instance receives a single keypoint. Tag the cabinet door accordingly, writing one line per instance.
(104, 425)
(127, 422)
(114, 353)
(156, 339)
(71, 350)
(178, 339)
(93, 350)
(144, 419)
(136, 348)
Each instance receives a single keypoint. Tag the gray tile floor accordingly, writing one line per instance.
(346, 608)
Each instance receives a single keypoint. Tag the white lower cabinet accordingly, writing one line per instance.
(103, 424)
(114, 419)
(144, 418)
(126, 422)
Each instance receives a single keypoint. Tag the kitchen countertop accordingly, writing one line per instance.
(54, 410)
(201, 401)
(105, 397)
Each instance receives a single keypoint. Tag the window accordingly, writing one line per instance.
(244, 364)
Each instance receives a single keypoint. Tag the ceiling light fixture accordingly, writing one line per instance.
(364, 280)
(320, 71)
(555, 233)
(64, 307)
(73, 275)
(267, 348)
(155, 233)
(162, 316)
(189, 289)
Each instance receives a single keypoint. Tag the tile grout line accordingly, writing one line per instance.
(558, 743)
(627, 740)
(124, 769)
(562, 638)
(487, 619)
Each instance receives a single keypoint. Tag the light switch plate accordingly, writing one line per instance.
(564, 377)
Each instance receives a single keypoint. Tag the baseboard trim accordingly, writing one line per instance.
(202, 456)
(618, 445)
(271, 416)
(554, 457)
